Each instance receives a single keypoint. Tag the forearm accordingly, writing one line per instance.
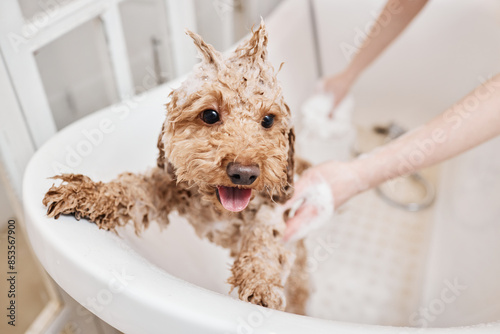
(394, 18)
(470, 122)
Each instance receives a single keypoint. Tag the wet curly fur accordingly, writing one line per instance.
(192, 164)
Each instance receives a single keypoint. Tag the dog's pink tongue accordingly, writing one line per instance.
(234, 199)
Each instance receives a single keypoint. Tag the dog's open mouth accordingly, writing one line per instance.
(234, 199)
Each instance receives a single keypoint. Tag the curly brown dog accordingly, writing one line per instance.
(226, 159)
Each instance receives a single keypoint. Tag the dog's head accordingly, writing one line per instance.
(228, 129)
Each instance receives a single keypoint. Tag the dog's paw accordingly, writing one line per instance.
(265, 294)
(71, 197)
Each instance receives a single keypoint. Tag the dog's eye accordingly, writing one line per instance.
(267, 121)
(210, 116)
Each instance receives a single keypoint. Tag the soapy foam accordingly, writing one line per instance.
(315, 113)
(320, 196)
(322, 137)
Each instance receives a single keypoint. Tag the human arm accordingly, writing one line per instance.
(470, 122)
(394, 18)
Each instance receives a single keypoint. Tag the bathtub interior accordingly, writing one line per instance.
(373, 264)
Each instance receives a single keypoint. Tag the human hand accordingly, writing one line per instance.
(317, 192)
(338, 86)
(311, 205)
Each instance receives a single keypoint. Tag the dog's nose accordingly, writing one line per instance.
(241, 174)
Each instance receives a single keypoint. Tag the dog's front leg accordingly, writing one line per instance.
(263, 264)
(139, 198)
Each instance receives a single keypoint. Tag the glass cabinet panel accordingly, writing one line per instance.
(77, 73)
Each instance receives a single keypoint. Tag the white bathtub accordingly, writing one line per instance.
(170, 281)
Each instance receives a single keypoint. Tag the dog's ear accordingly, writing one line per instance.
(290, 168)
(161, 161)
(256, 46)
(209, 54)
(287, 191)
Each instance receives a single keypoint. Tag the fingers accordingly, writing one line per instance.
(303, 215)
(299, 187)
(338, 98)
(336, 102)
(312, 203)
(310, 177)
(331, 112)
(338, 86)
